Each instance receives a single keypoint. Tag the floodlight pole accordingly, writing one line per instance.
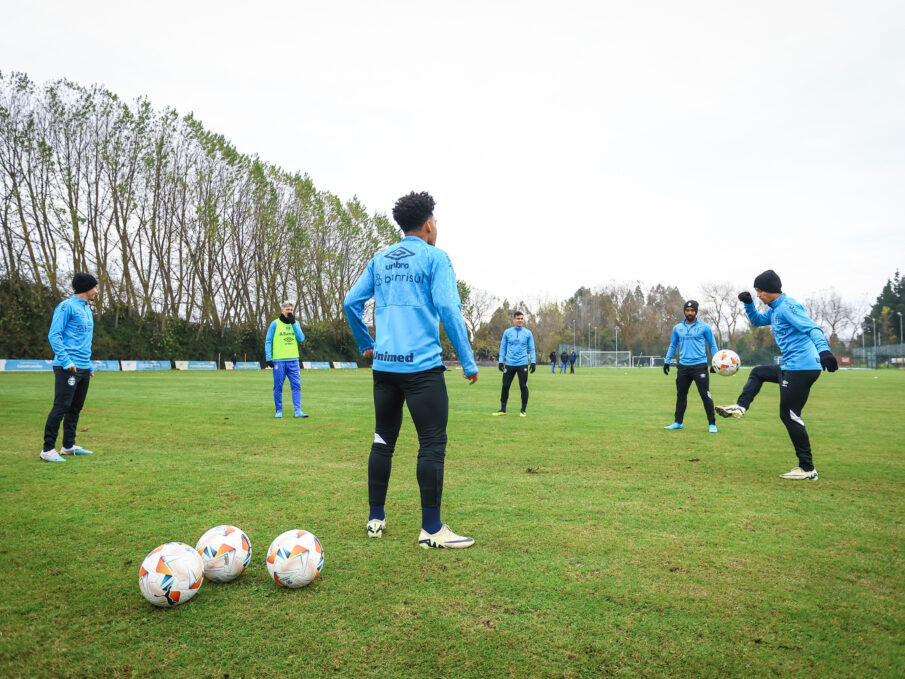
(573, 333)
(901, 341)
(617, 340)
(595, 333)
(589, 334)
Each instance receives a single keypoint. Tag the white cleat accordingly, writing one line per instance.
(376, 528)
(735, 410)
(444, 539)
(799, 474)
(51, 456)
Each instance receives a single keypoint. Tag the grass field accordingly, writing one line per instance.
(605, 545)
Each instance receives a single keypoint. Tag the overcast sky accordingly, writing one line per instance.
(566, 143)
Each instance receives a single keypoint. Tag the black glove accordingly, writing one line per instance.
(828, 361)
(531, 368)
(500, 366)
(745, 297)
(666, 368)
(712, 369)
(269, 364)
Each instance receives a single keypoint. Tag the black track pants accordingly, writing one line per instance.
(70, 390)
(794, 389)
(699, 374)
(428, 404)
(510, 372)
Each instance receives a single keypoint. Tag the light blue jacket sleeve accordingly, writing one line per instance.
(268, 341)
(531, 353)
(55, 335)
(445, 295)
(673, 346)
(299, 335)
(711, 341)
(758, 318)
(799, 319)
(503, 346)
(354, 306)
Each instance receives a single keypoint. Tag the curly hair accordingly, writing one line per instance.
(411, 211)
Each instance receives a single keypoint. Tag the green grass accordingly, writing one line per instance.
(605, 545)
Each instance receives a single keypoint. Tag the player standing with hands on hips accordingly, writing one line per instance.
(692, 337)
(517, 357)
(71, 332)
(414, 288)
(805, 352)
(281, 349)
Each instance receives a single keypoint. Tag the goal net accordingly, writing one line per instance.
(605, 359)
(648, 361)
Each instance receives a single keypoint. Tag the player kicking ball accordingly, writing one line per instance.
(805, 352)
(414, 288)
(691, 337)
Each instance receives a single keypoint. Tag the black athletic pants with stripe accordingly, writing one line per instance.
(700, 375)
(510, 372)
(794, 388)
(70, 390)
(428, 403)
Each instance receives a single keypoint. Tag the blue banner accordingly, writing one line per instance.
(202, 365)
(145, 365)
(247, 365)
(344, 364)
(25, 364)
(316, 365)
(104, 365)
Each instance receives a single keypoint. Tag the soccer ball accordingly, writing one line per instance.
(295, 558)
(171, 574)
(226, 553)
(726, 362)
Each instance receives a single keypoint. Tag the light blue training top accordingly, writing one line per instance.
(517, 347)
(414, 288)
(70, 334)
(692, 340)
(799, 338)
(268, 341)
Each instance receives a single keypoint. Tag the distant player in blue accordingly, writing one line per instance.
(694, 336)
(414, 288)
(71, 332)
(572, 358)
(517, 357)
(805, 352)
(281, 348)
(553, 361)
(563, 362)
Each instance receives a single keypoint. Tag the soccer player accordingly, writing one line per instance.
(414, 288)
(517, 357)
(71, 332)
(281, 348)
(553, 361)
(563, 362)
(694, 336)
(572, 358)
(805, 352)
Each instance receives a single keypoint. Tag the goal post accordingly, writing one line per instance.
(648, 361)
(605, 359)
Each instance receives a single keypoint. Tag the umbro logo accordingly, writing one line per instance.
(401, 253)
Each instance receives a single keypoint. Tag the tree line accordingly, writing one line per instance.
(196, 245)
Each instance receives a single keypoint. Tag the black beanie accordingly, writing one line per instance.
(83, 282)
(768, 281)
(691, 303)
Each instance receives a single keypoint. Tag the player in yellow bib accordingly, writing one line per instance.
(282, 351)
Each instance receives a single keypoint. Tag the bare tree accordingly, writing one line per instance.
(722, 309)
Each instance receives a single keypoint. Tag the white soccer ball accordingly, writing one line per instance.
(726, 362)
(295, 558)
(171, 574)
(226, 553)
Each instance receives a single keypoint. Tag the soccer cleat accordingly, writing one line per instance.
(443, 539)
(376, 528)
(712, 429)
(799, 474)
(75, 450)
(675, 425)
(51, 456)
(522, 413)
(299, 413)
(279, 414)
(498, 413)
(735, 410)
